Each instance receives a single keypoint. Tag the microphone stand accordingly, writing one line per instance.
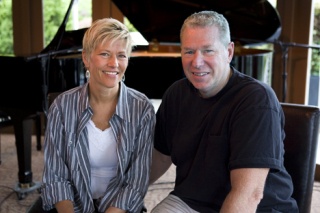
(44, 57)
(53, 49)
(23, 127)
(285, 47)
(284, 52)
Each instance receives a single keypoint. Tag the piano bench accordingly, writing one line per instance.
(5, 121)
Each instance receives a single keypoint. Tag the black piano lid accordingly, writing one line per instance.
(251, 21)
(66, 42)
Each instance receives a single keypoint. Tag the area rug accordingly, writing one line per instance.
(9, 199)
(9, 202)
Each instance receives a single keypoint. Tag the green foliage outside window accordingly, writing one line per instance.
(131, 28)
(53, 12)
(315, 60)
(6, 38)
(52, 17)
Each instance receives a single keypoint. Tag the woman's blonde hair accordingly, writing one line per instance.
(106, 29)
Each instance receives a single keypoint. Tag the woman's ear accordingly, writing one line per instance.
(85, 60)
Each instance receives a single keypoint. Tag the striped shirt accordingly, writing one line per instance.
(66, 173)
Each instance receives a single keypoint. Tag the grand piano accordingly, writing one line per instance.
(24, 88)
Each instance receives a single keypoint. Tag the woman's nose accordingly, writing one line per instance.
(113, 61)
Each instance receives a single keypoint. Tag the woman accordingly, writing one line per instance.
(99, 136)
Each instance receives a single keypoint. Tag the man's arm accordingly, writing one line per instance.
(160, 164)
(247, 186)
(64, 206)
(112, 209)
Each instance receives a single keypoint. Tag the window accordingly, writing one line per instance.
(315, 65)
(79, 16)
(6, 33)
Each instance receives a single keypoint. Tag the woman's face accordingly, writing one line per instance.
(107, 63)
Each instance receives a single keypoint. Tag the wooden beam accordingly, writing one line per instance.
(27, 27)
(105, 8)
(296, 21)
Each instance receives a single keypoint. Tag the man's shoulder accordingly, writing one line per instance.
(179, 84)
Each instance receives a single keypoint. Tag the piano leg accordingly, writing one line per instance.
(23, 133)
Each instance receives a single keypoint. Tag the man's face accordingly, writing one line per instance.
(205, 59)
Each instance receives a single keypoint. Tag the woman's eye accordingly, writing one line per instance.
(104, 54)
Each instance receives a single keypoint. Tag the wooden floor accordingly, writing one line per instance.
(9, 202)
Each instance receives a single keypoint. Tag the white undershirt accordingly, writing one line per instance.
(103, 158)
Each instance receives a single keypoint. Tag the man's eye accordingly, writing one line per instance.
(209, 52)
(188, 52)
(122, 56)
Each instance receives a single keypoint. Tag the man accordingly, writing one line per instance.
(223, 130)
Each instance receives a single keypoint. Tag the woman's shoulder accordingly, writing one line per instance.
(76, 96)
(130, 96)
